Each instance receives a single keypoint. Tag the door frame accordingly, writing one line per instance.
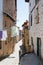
(39, 47)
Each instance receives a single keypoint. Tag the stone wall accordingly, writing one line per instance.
(9, 7)
(36, 30)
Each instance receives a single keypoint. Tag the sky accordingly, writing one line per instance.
(22, 12)
(1, 18)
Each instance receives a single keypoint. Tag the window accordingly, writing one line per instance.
(36, 1)
(15, 3)
(37, 16)
(0, 45)
(32, 41)
(5, 42)
(5, 24)
(29, 4)
(39, 47)
(26, 0)
(22, 35)
(31, 20)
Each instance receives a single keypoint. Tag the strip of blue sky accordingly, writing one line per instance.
(22, 12)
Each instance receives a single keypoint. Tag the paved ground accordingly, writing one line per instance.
(13, 59)
(30, 59)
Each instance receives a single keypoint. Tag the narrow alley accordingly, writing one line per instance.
(21, 32)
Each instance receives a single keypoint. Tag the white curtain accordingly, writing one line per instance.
(14, 31)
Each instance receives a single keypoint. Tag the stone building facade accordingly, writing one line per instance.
(8, 12)
(10, 7)
(36, 26)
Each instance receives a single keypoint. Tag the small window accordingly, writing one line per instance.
(30, 4)
(15, 3)
(31, 20)
(5, 42)
(32, 41)
(26, 0)
(0, 45)
(22, 35)
(36, 1)
(37, 17)
(5, 24)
